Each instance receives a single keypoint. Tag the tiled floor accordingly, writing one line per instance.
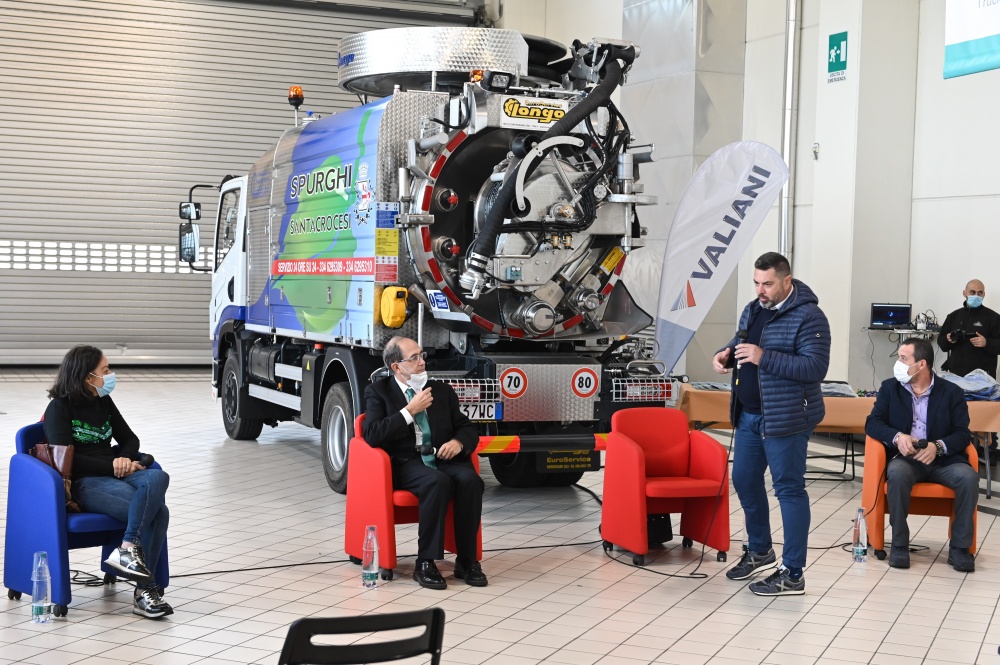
(553, 595)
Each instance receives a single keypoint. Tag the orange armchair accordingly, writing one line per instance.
(926, 498)
(654, 465)
(372, 500)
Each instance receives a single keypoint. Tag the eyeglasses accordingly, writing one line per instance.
(415, 357)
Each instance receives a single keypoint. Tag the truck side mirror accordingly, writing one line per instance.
(190, 211)
(189, 239)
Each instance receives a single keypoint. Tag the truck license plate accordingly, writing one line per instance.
(487, 411)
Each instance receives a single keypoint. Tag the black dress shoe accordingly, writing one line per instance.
(471, 572)
(899, 556)
(426, 575)
(961, 560)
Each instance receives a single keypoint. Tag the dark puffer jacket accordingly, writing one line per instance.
(796, 345)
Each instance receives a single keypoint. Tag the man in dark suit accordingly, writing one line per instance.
(404, 411)
(918, 406)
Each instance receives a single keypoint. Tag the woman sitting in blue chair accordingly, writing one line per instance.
(111, 480)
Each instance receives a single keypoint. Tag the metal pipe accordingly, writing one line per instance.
(420, 324)
(789, 122)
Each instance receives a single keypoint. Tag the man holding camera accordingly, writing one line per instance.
(971, 337)
(923, 421)
(419, 424)
(971, 334)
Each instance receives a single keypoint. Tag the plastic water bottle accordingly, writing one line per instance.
(860, 548)
(41, 608)
(369, 560)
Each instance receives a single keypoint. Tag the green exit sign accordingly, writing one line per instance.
(836, 63)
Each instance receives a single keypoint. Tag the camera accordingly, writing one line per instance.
(959, 334)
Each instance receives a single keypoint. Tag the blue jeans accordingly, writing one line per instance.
(786, 456)
(137, 500)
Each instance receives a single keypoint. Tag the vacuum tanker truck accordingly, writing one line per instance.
(483, 203)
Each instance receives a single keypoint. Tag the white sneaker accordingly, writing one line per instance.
(130, 564)
(149, 603)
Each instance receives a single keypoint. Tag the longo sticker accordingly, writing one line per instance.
(532, 113)
(513, 382)
(585, 382)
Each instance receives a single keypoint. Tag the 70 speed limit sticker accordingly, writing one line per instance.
(585, 382)
(513, 382)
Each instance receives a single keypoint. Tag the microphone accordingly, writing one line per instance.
(921, 444)
(741, 335)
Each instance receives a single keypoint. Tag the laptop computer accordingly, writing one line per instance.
(890, 316)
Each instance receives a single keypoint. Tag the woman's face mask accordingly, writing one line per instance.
(109, 384)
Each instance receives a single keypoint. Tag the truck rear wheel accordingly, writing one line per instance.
(521, 470)
(238, 428)
(337, 429)
(517, 469)
(564, 479)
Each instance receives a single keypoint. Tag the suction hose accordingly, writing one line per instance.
(487, 238)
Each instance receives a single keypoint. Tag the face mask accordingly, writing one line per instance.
(417, 380)
(901, 372)
(974, 301)
(109, 384)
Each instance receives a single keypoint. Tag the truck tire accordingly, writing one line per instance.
(336, 432)
(517, 469)
(240, 429)
(562, 479)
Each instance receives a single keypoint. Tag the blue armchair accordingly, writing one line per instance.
(37, 521)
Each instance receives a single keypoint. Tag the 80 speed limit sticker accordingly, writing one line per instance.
(585, 382)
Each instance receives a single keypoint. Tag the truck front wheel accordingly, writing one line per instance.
(237, 427)
(337, 430)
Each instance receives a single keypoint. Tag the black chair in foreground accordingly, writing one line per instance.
(300, 649)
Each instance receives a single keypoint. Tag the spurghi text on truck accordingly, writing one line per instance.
(484, 204)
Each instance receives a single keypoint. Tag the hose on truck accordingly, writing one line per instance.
(490, 231)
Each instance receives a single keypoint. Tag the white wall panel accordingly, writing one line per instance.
(109, 112)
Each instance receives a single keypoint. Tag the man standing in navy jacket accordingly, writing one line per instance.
(781, 355)
(917, 405)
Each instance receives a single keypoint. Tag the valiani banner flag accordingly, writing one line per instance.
(971, 36)
(717, 217)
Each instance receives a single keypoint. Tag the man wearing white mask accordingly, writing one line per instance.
(917, 407)
(429, 439)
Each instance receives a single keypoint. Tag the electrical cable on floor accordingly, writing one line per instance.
(96, 581)
(85, 579)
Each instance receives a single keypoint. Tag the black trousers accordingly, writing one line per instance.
(903, 473)
(434, 489)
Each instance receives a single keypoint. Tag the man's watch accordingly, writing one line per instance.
(940, 448)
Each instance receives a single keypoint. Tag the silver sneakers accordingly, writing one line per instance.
(750, 563)
(779, 583)
(149, 603)
(129, 563)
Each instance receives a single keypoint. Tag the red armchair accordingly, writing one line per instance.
(654, 465)
(371, 500)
